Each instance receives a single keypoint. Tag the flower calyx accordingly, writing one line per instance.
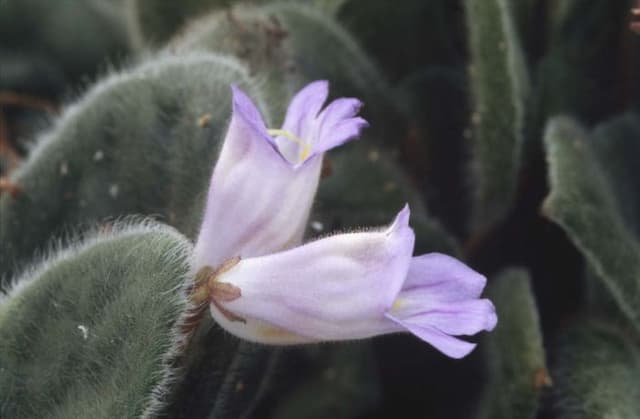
(209, 289)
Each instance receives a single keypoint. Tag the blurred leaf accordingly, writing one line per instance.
(408, 35)
(420, 46)
(435, 150)
(40, 48)
(339, 383)
(500, 86)
(616, 146)
(274, 41)
(514, 351)
(367, 188)
(596, 374)
(155, 22)
(583, 202)
(580, 66)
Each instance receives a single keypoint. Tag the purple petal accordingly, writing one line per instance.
(338, 110)
(448, 345)
(304, 108)
(318, 131)
(334, 288)
(458, 318)
(244, 108)
(342, 132)
(444, 278)
(337, 124)
(440, 299)
(257, 203)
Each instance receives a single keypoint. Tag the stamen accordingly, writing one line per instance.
(397, 304)
(305, 149)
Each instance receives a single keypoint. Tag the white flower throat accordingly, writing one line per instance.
(305, 148)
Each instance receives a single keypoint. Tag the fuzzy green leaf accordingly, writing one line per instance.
(616, 145)
(514, 351)
(274, 40)
(139, 142)
(598, 216)
(92, 330)
(598, 365)
(500, 87)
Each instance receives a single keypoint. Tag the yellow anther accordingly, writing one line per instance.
(397, 304)
(305, 149)
(304, 153)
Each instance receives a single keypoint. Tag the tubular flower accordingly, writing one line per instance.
(264, 181)
(351, 286)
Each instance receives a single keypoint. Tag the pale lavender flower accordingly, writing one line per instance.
(264, 182)
(352, 286)
(347, 286)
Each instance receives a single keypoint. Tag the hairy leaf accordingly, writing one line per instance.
(514, 351)
(94, 330)
(142, 141)
(500, 87)
(597, 373)
(594, 212)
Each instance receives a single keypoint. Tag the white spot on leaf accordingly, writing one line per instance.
(84, 330)
(114, 190)
(99, 155)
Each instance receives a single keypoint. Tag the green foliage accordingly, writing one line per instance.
(616, 144)
(514, 351)
(341, 384)
(500, 85)
(40, 46)
(224, 376)
(597, 372)
(403, 36)
(91, 332)
(367, 188)
(578, 68)
(98, 162)
(274, 40)
(525, 13)
(419, 46)
(154, 22)
(584, 202)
